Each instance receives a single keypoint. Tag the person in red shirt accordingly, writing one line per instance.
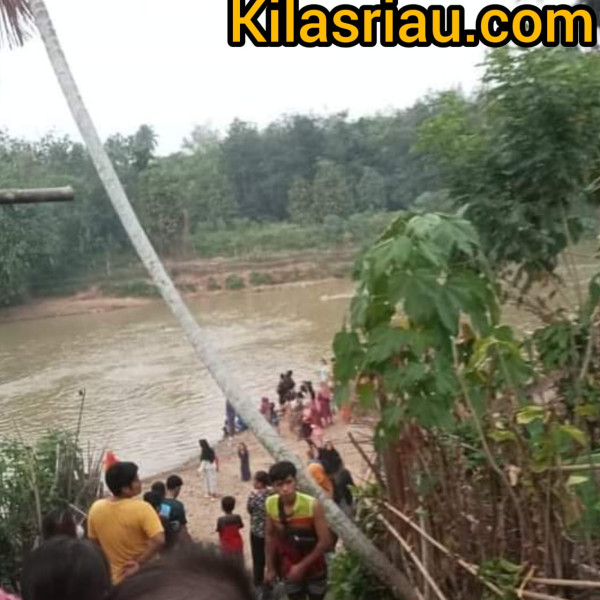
(228, 528)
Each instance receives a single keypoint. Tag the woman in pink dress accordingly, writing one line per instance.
(324, 400)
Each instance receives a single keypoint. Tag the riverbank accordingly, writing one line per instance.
(129, 288)
(203, 513)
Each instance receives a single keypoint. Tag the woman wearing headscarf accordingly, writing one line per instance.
(209, 465)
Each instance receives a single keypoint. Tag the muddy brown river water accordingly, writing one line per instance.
(147, 397)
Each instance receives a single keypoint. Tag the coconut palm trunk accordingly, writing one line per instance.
(348, 532)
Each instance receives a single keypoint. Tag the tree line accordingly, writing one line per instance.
(516, 152)
(300, 169)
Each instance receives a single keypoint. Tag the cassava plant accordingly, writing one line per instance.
(473, 452)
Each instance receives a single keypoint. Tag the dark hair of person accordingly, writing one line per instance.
(262, 477)
(120, 475)
(228, 504)
(207, 453)
(282, 470)
(197, 571)
(159, 487)
(154, 499)
(174, 482)
(65, 569)
(59, 521)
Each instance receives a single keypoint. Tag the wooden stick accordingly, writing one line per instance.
(405, 545)
(591, 585)
(367, 460)
(538, 596)
(473, 569)
(526, 579)
(37, 196)
(463, 563)
(586, 467)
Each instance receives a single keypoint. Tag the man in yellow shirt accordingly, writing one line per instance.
(127, 529)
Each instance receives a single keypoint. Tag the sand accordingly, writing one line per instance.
(202, 512)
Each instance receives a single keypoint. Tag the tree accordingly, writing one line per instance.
(143, 144)
(370, 191)
(300, 201)
(520, 155)
(331, 193)
(243, 404)
(210, 196)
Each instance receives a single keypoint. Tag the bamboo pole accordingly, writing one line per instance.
(574, 583)
(472, 569)
(406, 547)
(367, 460)
(37, 196)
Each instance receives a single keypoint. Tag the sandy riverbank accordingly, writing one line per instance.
(202, 512)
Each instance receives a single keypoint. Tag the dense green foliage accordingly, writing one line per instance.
(34, 480)
(313, 171)
(521, 155)
(489, 435)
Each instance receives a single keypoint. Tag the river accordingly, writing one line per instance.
(147, 397)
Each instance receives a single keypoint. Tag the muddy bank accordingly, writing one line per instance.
(194, 278)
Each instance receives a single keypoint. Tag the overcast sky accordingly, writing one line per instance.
(169, 65)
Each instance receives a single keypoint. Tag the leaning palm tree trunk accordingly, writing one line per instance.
(350, 534)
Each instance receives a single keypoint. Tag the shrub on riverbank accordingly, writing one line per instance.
(259, 278)
(33, 479)
(234, 282)
(136, 288)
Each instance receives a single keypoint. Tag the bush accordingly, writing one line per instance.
(244, 237)
(235, 282)
(334, 227)
(33, 481)
(352, 580)
(212, 284)
(258, 278)
(187, 288)
(136, 288)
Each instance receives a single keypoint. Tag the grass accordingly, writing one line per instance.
(136, 288)
(247, 238)
(260, 278)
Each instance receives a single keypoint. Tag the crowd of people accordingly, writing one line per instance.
(133, 546)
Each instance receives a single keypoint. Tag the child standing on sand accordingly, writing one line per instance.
(228, 528)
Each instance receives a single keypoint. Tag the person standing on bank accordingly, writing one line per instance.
(244, 462)
(256, 506)
(209, 466)
(297, 535)
(127, 529)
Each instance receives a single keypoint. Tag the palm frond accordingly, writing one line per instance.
(16, 22)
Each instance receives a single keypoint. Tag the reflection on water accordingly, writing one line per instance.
(148, 398)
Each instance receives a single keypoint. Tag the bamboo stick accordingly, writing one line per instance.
(591, 585)
(474, 570)
(405, 545)
(37, 196)
(538, 596)
(463, 563)
(367, 460)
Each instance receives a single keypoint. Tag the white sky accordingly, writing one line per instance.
(168, 64)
